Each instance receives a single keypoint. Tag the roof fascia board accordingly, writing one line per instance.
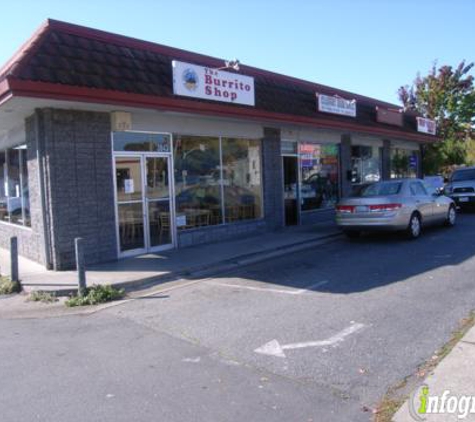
(91, 95)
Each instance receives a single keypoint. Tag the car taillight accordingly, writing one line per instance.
(345, 208)
(384, 207)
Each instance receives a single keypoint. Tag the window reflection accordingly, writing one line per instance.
(129, 179)
(141, 142)
(216, 177)
(319, 175)
(241, 179)
(197, 181)
(365, 164)
(404, 163)
(14, 192)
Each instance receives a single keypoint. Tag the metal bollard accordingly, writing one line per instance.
(80, 265)
(14, 259)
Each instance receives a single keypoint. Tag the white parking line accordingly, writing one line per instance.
(263, 289)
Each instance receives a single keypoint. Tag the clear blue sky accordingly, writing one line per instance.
(370, 47)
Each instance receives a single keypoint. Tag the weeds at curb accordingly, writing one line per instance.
(8, 287)
(42, 296)
(398, 394)
(95, 295)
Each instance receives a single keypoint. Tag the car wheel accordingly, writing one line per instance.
(352, 234)
(414, 227)
(451, 217)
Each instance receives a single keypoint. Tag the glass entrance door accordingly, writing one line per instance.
(157, 202)
(143, 203)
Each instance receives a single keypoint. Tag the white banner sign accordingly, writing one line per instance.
(426, 126)
(210, 84)
(336, 105)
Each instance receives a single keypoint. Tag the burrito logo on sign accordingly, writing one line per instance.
(211, 84)
(190, 79)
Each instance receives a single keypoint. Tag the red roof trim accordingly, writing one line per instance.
(92, 95)
(202, 59)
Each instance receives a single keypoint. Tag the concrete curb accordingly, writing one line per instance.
(205, 270)
(454, 374)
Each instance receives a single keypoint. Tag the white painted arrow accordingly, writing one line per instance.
(274, 348)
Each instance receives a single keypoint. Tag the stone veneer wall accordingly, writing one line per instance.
(79, 185)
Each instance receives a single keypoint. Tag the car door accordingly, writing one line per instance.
(440, 206)
(424, 201)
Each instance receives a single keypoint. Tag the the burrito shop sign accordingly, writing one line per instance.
(211, 84)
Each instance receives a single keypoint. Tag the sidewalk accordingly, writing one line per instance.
(189, 263)
(454, 373)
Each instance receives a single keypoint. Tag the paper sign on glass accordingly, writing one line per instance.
(129, 185)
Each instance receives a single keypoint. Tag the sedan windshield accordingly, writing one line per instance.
(380, 189)
(462, 175)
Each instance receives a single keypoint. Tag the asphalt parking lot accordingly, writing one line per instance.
(313, 336)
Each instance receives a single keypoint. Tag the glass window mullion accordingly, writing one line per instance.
(22, 199)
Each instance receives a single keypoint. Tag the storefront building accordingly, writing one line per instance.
(138, 147)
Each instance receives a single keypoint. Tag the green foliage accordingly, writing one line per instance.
(42, 296)
(95, 295)
(446, 95)
(399, 165)
(8, 287)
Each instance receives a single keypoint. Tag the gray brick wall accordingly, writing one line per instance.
(220, 233)
(318, 217)
(273, 183)
(79, 184)
(345, 164)
(386, 159)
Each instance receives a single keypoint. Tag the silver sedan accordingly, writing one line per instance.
(404, 205)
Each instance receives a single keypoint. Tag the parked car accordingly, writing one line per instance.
(461, 187)
(435, 182)
(397, 205)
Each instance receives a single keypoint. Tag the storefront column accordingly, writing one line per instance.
(79, 185)
(345, 161)
(420, 166)
(386, 160)
(273, 179)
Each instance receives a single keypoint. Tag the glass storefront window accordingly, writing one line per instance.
(14, 195)
(3, 186)
(365, 164)
(241, 179)
(217, 180)
(404, 163)
(197, 181)
(25, 194)
(141, 142)
(319, 175)
(129, 179)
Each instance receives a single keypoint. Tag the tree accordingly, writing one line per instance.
(446, 95)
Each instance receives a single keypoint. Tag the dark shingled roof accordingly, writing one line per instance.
(70, 55)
